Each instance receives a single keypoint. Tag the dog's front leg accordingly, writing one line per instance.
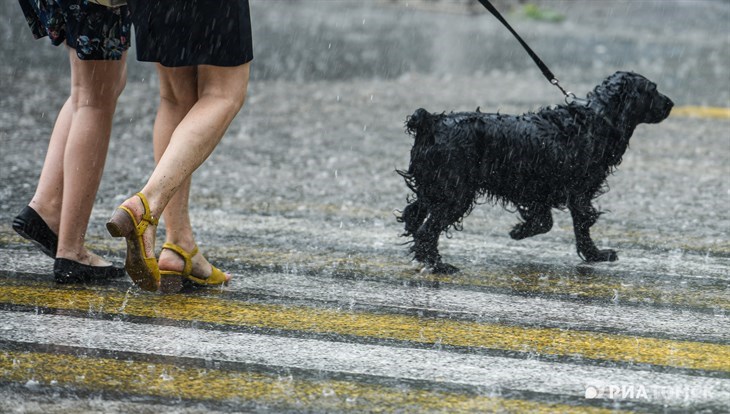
(584, 216)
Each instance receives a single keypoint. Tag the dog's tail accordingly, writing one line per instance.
(420, 125)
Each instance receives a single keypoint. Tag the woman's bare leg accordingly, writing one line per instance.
(95, 87)
(220, 93)
(48, 195)
(176, 100)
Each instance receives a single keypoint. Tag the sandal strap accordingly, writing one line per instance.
(187, 256)
(147, 216)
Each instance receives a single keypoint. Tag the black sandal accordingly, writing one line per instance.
(70, 271)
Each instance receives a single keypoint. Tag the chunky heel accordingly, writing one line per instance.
(170, 283)
(121, 224)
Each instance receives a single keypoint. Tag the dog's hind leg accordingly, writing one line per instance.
(413, 216)
(584, 216)
(538, 220)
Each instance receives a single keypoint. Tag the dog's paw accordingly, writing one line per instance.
(518, 232)
(607, 255)
(441, 269)
(530, 228)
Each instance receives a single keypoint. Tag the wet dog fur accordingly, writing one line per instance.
(558, 157)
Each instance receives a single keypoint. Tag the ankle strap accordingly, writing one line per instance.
(147, 216)
(187, 256)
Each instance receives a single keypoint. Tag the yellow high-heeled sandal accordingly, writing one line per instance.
(142, 269)
(171, 280)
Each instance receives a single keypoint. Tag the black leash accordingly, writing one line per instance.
(569, 96)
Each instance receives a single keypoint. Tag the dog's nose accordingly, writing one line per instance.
(665, 107)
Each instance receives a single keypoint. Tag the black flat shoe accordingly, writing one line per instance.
(69, 271)
(32, 227)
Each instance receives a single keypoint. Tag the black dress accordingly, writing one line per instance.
(192, 32)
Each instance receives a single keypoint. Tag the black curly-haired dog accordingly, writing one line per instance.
(556, 158)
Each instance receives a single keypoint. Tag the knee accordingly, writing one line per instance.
(227, 86)
(98, 94)
(103, 99)
(231, 100)
(178, 101)
(239, 100)
(96, 84)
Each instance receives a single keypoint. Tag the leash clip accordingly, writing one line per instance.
(569, 96)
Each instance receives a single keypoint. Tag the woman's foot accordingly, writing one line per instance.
(178, 263)
(84, 257)
(134, 221)
(83, 267)
(202, 268)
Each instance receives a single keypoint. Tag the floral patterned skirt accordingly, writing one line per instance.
(95, 32)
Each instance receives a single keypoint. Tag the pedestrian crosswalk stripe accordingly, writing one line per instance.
(541, 341)
(129, 377)
(702, 112)
(455, 303)
(380, 363)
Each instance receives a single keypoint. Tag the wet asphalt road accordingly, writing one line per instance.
(326, 312)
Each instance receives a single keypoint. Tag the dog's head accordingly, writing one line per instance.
(631, 99)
